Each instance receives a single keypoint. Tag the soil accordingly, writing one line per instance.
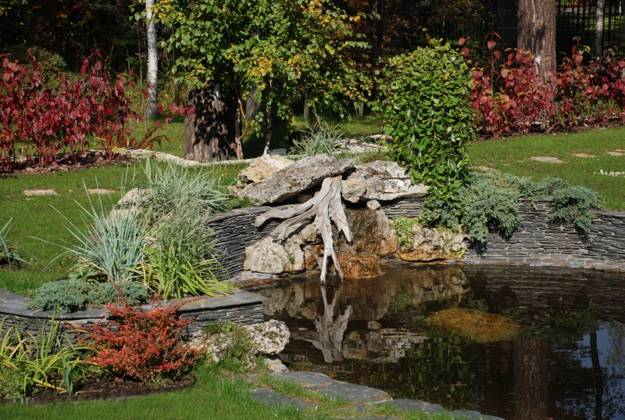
(65, 163)
(108, 388)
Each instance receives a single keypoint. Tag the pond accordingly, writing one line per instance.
(520, 343)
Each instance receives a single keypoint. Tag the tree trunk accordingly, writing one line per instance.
(210, 132)
(598, 48)
(152, 75)
(537, 33)
(531, 379)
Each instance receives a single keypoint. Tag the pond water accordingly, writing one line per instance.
(553, 346)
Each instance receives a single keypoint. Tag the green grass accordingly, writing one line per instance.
(174, 132)
(37, 221)
(212, 397)
(512, 155)
(354, 127)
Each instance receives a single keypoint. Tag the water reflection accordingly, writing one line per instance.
(568, 361)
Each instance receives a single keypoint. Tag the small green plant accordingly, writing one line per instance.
(75, 294)
(239, 354)
(112, 246)
(403, 227)
(320, 138)
(8, 254)
(42, 361)
(573, 205)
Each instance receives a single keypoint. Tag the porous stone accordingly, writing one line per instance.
(275, 365)
(268, 256)
(295, 179)
(546, 159)
(261, 168)
(380, 180)
(39, 192)
(433, 244)
(360, 266)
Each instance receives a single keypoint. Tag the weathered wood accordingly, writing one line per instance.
(324, 209)
(330, 328)
(537, 33)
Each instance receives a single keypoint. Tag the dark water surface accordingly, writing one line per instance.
(567, 362)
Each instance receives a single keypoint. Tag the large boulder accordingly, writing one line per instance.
(382, 181)
(295, 179)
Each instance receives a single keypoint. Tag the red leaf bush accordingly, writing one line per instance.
(142, 345)
(41, 122)
(509, 97)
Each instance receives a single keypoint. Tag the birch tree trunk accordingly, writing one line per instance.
(537, 33)
(152, 74)
(599, 14)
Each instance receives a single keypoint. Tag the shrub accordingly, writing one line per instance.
(320, 138)
(75, 294)
(41, 119)
(428, 113)
(41, 361)
(573, 205)
(112, 246)
(142, 345)
(8, 254)
(403, 227)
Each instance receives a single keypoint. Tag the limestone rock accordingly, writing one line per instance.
(433, 244)
(360, 266)
(262, 167)
(380, 180)
(295, 179)
(372, 233)
(275, 365)
(267, 256)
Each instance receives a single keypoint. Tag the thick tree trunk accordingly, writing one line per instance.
(210, 133)
(152, 77)
(537, 33)
(598, 48)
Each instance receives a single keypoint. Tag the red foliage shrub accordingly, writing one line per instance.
(41, 122)
(142, 345)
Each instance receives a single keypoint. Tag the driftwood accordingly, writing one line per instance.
(331, 328)
(323, 209)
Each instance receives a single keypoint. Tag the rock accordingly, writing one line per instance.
(312, 256)
(433, 244)
(374, 325)
(262, 167)
(373, 205)
(380, 180)
(295, 179)
(133, 199)
(372, 233)
(39, 192)
(545, 159)
(415, 405)
(275, 365)
(268, 256)
(360, 266)
(272, 398)
(268, 337)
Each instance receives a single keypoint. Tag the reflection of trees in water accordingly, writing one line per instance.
(440, 370)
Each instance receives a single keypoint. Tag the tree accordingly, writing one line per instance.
(152, 73)
(537, 33)
(273, 51)
(599, 16)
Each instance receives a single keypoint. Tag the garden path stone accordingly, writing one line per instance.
(584, 155)
(305, 379)
(272, 398)
(99, 191)
(39, 192)
(546, 159)
(415, 405)
(617, 153)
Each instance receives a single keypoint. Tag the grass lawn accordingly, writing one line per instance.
(39, 222)
(513, 155)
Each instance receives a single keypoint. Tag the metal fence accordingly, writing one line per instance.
(578, 18)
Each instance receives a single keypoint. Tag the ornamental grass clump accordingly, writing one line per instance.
(8, 253)
(319, 139)
(30, 362)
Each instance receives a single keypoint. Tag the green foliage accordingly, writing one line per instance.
(111, 247)
(320, 138)
(279, 50)
(403, 227)
(181, 259)
(573, 205)
(488, 204)
(428, 114)
(44, 361)
(8, 254)
(75, 294)
(239, 354)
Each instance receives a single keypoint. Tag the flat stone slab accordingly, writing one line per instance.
(238, 298)
(39, 193)
(546, 159)
(415, 405)
(293, 180)
(617, 153)
(273, 399)
(334, 389)
(584, 155)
